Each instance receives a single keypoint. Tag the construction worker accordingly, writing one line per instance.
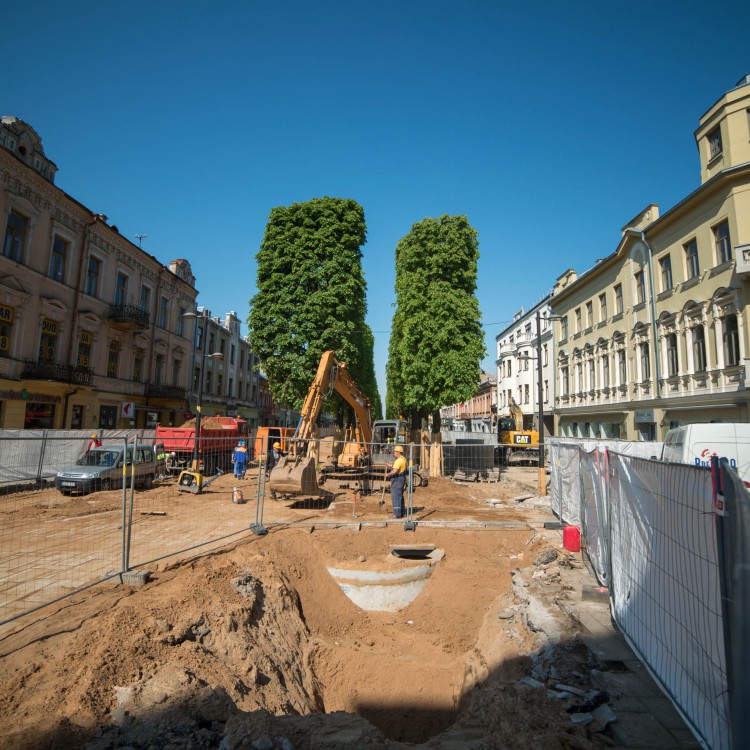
(274, 456)
(240, 460)
(94, 442)
(397, 475)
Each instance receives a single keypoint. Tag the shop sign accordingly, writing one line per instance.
(127, 410)
(6, 314)
(24, 395)
(643, 415)
(49, 327)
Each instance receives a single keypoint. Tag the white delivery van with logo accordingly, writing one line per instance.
(696, 443)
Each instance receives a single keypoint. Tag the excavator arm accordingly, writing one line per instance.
(296, 473)
(331, 375)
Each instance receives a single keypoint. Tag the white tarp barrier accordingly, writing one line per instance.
(594, 514)
(665, 585)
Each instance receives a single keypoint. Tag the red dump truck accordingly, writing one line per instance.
(217, 441)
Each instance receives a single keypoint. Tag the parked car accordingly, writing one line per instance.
(102, 469)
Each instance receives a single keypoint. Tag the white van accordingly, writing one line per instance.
(696, 443)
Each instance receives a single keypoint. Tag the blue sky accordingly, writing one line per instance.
(547, 124)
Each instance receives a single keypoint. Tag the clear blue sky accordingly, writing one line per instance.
(548, 124)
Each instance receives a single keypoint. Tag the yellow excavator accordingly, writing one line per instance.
(511, 436)
(295, 473)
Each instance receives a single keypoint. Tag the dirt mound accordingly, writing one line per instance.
(257, 646)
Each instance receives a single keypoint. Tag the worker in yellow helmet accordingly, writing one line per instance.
(397, 475)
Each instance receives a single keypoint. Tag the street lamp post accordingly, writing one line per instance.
(540, 397)
(540, 405)
(201, 378)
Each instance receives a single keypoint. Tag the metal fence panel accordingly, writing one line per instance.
(665, 585)
(50, 545)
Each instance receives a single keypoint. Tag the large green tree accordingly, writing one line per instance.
(437, 343)
(311, 296)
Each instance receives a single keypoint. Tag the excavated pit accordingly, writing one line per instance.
(267, 627)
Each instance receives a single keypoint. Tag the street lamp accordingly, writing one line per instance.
(201, 377)
(540, 397)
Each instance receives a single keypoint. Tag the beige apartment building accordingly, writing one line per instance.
(92, 328)
(656, 334)
(231, 384)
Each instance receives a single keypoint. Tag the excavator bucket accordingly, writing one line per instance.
(294, 476)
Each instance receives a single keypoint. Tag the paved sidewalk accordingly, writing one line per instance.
(646, 718)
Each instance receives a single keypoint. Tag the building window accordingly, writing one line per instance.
(699, 348)
(526, 394)
(196, 378)
(92, 277)
(58, 258)
(714, 143)
(731, 341)
(112, 358)
(510, 368)
(138, 358)
(211, 347)
(618, 299)
(578, 320)
(242, 359)
(15, 236)
(605, 371)
(230, 388)
(665, 264)
(199, 338)
(121, 290)
(231, 357)
(222, 344)
(603, 307)
(6, 328)
(525, 362)
(622, 367)
(721, 241)
(645, 363)
(564, 323)
(159, 369)
(545, 355)
(176, 367)
(546, 391)
(589, 314)
(163, 312)
(180, 320)
(48, 342)
(592, 375)
(691, 259)
(640, 287)
(672, 355)
(579, 378)
(84, 350)
(145, 303)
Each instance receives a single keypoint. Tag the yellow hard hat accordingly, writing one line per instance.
(398, 449)
(94, 435)
(277, 445)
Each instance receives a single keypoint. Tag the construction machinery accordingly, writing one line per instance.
(295, 473)
(514, 442)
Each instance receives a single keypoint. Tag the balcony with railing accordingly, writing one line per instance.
(128, 317)
(171, 392)
(46, 370)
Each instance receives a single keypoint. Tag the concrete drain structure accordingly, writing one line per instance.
(390, 590)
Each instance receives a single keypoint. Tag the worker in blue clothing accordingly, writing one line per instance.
(240, 460)
(397, 475)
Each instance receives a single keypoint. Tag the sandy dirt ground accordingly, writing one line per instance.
(254, 644)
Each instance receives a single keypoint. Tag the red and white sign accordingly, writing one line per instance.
(127, 410)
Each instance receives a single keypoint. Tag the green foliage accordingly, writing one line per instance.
(311, 296)
(437, 342)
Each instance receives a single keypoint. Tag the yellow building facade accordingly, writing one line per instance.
(656, 334)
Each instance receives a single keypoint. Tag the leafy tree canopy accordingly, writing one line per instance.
(311, 296)
(437, 342)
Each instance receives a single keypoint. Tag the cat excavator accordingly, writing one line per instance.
(295, 473)
(513, 441)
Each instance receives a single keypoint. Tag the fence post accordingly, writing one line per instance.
(257, 528)
(41, 459)
(125, 530)
(410, 524)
